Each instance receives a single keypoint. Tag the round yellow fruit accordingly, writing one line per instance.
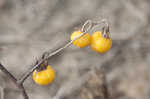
(44, 77)
(99, 43)
(82, 41)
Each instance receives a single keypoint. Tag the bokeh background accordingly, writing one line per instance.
(30, 27)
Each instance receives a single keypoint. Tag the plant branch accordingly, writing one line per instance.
(50, 55)
(20, 86)
(2, 92)
(8, 73)
(84, 29)
(23, 91)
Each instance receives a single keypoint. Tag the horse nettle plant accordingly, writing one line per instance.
(81, 38)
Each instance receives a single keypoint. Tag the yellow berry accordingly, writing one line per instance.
(82, 41)
(99, 43)
(44, 77)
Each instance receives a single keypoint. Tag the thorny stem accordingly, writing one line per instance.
(20, 86)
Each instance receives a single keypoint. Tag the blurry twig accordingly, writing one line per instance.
(96, 86)
(2, 92)
(20, 86)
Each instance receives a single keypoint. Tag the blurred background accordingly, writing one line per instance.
(30, 27)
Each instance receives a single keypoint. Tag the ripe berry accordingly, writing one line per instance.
(99, 43)
(82, 41)
(44, 77)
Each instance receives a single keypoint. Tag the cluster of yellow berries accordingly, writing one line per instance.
(98, 41)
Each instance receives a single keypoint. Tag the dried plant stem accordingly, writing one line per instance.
(96, 86)
(84, 29)
(20, 86)
(2, 93)
(50, 55)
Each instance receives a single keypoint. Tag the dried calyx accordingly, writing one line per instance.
(43, 66)
(105, 32)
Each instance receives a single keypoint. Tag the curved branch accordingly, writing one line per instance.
(85, 28)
